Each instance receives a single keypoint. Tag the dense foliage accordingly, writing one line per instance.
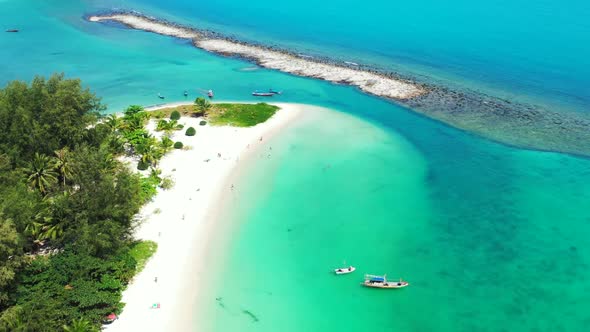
(67, 205)
(178, 145)
(190, 131)
(202, 123)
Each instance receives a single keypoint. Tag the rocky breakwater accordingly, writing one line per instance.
(502, 120)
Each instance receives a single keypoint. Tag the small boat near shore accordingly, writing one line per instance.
(185, 93)
(12, 30)
(263, 94)
(344, 270)
(375, 281)
(275, 92)
(210, 94)
(160, 96)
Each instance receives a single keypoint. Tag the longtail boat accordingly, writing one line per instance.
(262, 94)
(381, 282)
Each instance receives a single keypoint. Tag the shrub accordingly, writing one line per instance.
(202, 123)
(178, 145)
(175, 115)
(142, 166)
(190, 131)
(167, 183)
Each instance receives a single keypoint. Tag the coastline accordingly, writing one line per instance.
(182, 219)
(505, 121)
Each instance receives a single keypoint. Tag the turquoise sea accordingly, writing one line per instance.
(491, 238)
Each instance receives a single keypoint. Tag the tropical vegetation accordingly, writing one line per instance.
(68, 205)
(233, 114)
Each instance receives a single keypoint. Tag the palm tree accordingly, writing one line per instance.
(166, 144)
(40, 174)
(80, 325)
(116, 143)
(150, 155)
(62, 164)
(34, 229)
(142, 143)
(168, 126)
(162, 125)
(12, 318)
(203, 105)
(114, 122)
(134, 121)
(108, 163)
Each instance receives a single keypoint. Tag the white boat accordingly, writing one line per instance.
(344, 270)
(381, 282)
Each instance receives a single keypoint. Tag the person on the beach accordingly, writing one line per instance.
(232, 187)
(156, 279)
(218, 155)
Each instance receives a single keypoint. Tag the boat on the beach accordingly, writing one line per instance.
(375, 281)
(12, 30)
(160, 96)
(262, 94)
(344, 270)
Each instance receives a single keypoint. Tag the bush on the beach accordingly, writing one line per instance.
(178, 145)
(202, 123)
(142, 165)
(175, 115)
(167, 183)
(190, 131)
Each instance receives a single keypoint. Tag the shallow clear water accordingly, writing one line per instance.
(492, 238)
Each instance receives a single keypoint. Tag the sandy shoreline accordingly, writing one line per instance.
(181, 219)
(347, 73)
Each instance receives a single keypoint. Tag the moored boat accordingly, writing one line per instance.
(274, 92)
(345, 270)
(210, 93)
(381, 282)
(160, 96)
(262, 94)
(12, 30)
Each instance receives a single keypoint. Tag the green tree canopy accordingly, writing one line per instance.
(44, 116)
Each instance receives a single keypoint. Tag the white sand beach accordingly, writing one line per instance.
(181, 219)
(370, 82)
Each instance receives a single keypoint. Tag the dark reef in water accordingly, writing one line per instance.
(502, 120)
(513, 123)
